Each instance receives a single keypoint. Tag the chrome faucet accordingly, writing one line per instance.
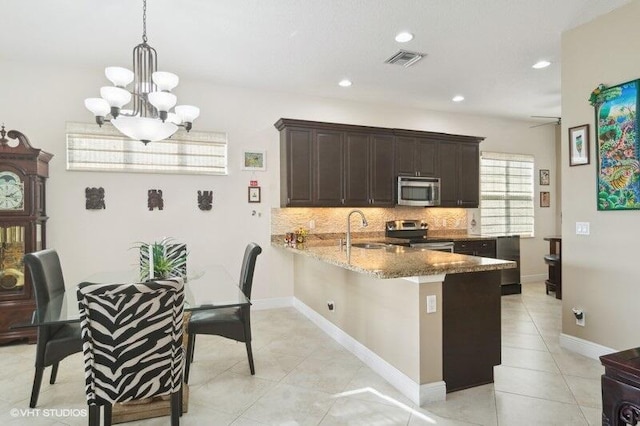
(364, 224)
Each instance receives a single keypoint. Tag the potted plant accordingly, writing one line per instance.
(162, 259)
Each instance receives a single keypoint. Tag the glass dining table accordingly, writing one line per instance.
(210, 287)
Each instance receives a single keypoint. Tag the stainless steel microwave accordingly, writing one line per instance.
(418, 191)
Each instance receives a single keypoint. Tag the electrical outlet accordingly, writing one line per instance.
(431, 303)
(579, 314)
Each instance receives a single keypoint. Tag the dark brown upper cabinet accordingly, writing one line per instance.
(459, 174)
(328, 164)
(416, 156)
(296, 149)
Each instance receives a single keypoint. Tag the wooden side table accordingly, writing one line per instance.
(621, 388)
(554, 260)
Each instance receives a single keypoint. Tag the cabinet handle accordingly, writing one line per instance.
(342, 201)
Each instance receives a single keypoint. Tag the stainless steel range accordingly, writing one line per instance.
(415, 234)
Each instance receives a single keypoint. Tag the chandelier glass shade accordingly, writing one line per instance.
(149, 116)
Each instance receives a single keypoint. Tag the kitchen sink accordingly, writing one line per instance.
(370, 245)
(389, 248)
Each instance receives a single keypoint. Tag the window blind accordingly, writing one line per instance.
(506, 194)
(94, 148)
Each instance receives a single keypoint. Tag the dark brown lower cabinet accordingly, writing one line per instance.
(471, 336)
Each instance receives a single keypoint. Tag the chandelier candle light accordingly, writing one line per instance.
(150, 120)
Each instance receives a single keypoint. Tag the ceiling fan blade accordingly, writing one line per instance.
(544, 124)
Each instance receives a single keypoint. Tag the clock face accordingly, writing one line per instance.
(11, 192)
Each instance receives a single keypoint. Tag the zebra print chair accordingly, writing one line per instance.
(232, 323)
(132, 343)
(55, 342)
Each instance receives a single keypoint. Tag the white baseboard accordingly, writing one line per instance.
(533, 278)
(272, 303)
(419, 394)
(584, 347)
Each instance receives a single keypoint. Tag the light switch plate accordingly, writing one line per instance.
(431, 303)
(582, 228)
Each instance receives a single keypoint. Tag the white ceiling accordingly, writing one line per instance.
(482, 49)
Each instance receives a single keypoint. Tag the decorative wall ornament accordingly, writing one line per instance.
(95, 198)
(205, 200)
(617, 147)
(544, 177)
(254, 194)
(545, 199)
(579, 145)
(254, 160)
(154, 199)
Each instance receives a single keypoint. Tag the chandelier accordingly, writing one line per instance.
(148, 117)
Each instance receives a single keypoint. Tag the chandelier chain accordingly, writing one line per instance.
(144, 21)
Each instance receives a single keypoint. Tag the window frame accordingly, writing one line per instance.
(524, 167)
(192, 153)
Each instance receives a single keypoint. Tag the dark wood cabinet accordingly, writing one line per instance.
(296, 167)
(335, 165)
(621, 388)
(382, 179)
(459, 174)
(471, 333)
(369, 173)
(330, 164)
(482, 248)
(416, 156)
(23, 170)
(357, 169)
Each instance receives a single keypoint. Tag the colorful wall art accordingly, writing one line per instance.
(618, 150)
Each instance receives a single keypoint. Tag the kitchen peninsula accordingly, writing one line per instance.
(426, 321)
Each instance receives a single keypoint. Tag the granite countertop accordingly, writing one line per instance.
(397, 262)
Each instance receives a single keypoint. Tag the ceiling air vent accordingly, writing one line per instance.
(405, 58)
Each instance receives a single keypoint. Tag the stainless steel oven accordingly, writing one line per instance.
(418, 191)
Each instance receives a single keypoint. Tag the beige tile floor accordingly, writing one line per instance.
(304, 378)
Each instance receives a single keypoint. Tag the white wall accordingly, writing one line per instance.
(38, 100)
(600, 271)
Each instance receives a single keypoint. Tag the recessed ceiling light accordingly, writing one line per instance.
(404, 37)
(345, 83)
(458, 98)
(541, 64)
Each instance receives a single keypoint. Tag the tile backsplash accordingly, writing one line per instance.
(330, 219)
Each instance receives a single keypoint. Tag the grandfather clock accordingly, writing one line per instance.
(23, 171)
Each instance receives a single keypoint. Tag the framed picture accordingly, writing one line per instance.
(544, 177)
(254, 194)
(254, 160)
(545, 199)
(579, 145)
(617, 147)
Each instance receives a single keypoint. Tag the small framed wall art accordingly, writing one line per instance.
(545, 199)
(579, 145)
(254, 160)
(544, 177)
(254, 194)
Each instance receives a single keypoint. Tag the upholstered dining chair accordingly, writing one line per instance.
(55, 342)
(232, 323)
(132, 343)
